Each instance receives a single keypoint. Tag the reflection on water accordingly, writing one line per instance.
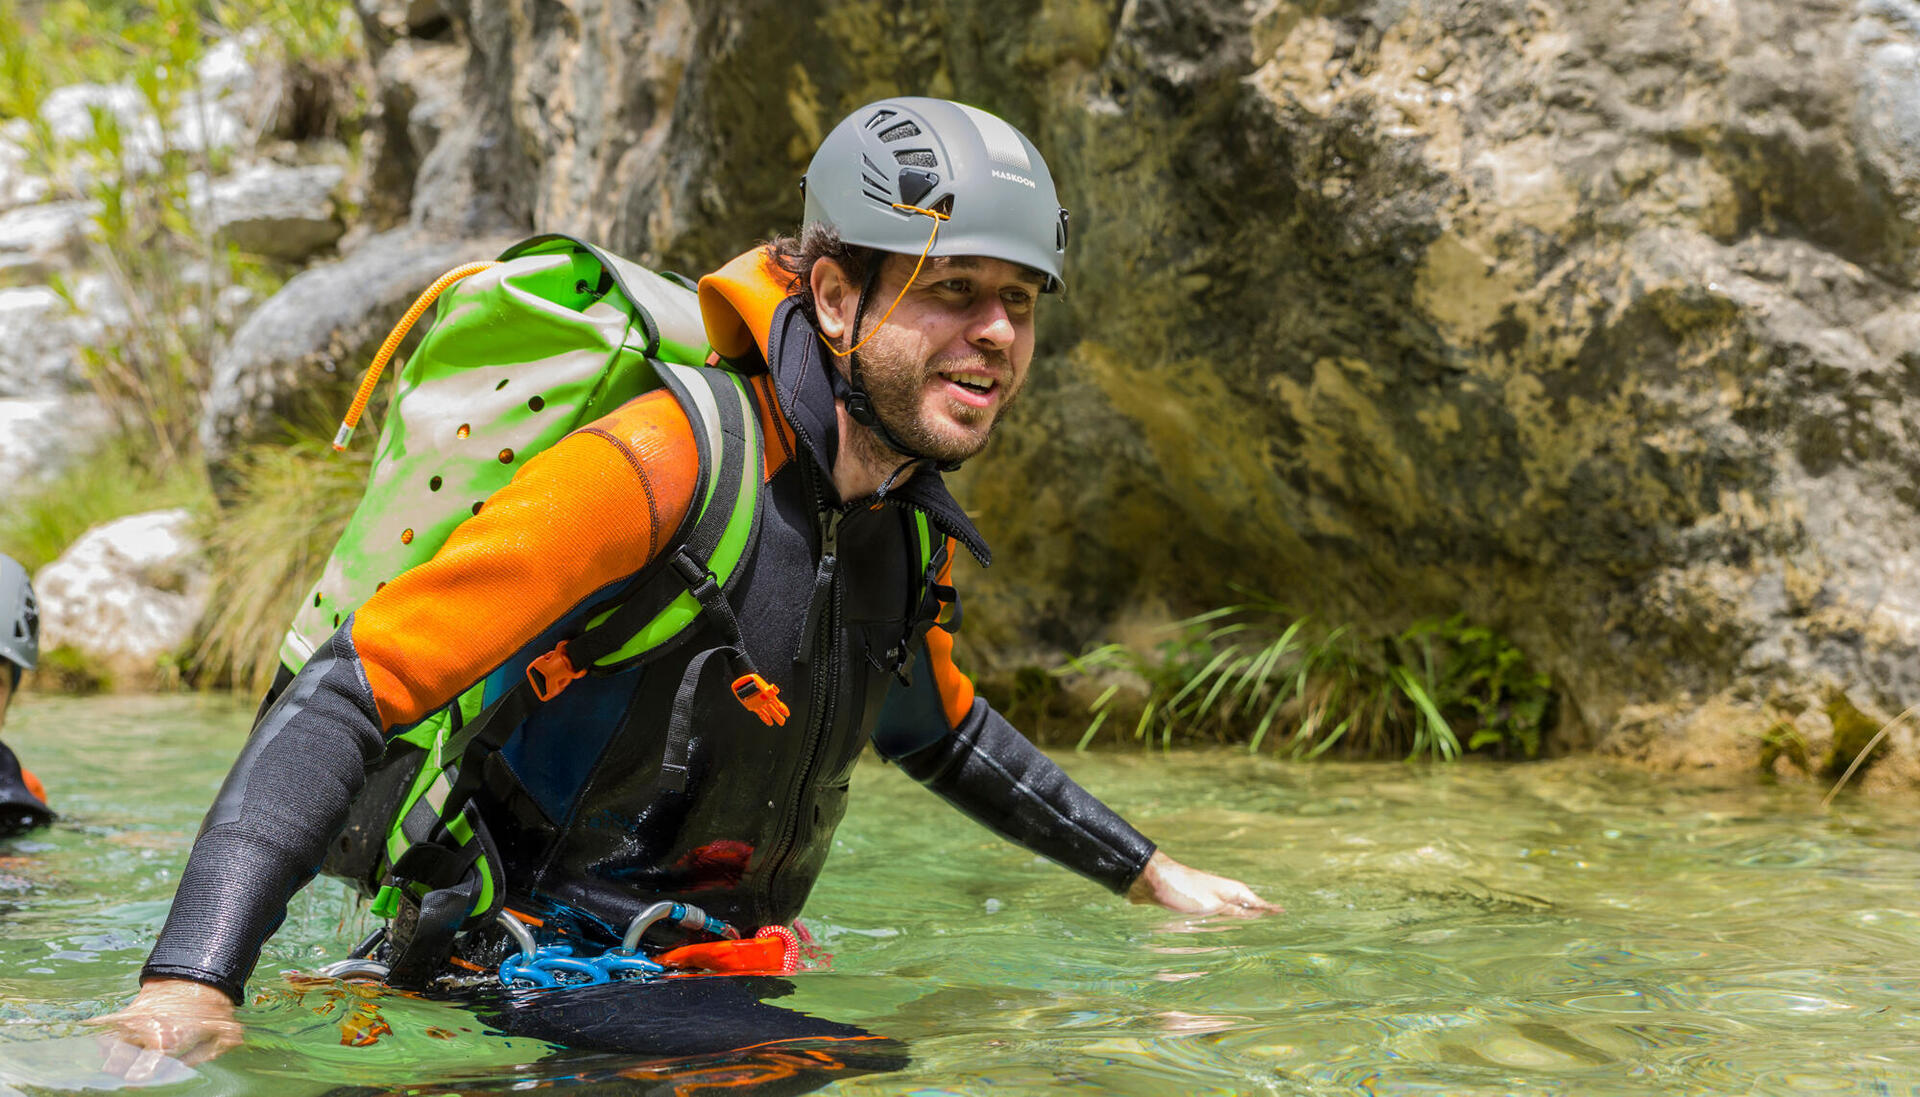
(1555, 928)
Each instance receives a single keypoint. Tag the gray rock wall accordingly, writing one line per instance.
(1596, 321)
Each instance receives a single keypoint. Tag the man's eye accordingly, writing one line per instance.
(957, 285)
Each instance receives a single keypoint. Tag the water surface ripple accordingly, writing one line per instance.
(1554, 928)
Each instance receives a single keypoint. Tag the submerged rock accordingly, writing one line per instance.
(127, 596)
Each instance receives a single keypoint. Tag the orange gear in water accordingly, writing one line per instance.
(33, 784)
(772, 951)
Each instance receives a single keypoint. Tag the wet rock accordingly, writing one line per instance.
(319, 332)
(39, 435)
(281, 212)
(126, 596)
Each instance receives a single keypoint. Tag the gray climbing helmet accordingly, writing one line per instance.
(19, 616)
(940, 155)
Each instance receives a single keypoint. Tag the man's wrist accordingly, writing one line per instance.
(185, 987)
(1146, 885)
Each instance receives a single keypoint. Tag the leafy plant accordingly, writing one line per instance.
(1256, 671)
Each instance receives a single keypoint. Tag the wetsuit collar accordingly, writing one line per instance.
(752, 321)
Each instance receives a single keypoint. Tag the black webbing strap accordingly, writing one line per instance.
(422, 933)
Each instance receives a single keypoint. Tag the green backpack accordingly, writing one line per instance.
(521, 352)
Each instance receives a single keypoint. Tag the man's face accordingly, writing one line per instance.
(953, 355)
(6, 687)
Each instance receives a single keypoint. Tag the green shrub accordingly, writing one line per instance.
(1254, 672)
(147, 237)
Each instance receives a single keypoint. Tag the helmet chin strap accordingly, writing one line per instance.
(860, 409)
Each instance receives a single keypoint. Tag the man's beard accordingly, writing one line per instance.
(898, 387)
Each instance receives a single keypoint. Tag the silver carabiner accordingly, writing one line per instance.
(521, 935)
(351, 968)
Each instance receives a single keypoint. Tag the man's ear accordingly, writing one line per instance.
(835, 298)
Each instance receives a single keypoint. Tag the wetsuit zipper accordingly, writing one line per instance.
(823, 617)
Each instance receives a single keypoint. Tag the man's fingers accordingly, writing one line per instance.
(144, 1065)
(119, 1057)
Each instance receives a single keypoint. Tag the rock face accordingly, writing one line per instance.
(126, 596)
(1593, 321)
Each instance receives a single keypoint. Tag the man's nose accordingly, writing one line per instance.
(993, 328)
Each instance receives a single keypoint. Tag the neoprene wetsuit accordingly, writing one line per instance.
(583, 831)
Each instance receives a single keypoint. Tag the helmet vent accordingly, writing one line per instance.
(919, 158)
(880, 116)
(900, 132)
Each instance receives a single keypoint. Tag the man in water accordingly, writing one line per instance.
(884, 343)
(23, 801)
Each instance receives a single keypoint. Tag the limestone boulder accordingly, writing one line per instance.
(39, 435)
(19, 186)
(127, 596)
(286, 213)
(37, 354)
(316, 335)
(40, 240)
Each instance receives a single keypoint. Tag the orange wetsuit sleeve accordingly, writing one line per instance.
(955, 688)
(595, 507)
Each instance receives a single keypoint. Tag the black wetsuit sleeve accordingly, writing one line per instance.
(285, 799)
(995, 776)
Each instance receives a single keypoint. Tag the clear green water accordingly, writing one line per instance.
(1553, 928)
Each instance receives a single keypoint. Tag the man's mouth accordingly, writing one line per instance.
(979, 384)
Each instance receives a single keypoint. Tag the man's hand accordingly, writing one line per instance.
(176, 1018)
(1189, 891)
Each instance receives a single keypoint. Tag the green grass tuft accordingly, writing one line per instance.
(268, 547)
(1261, 675)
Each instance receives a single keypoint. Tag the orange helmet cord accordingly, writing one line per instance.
(420, 305)
(924, 252)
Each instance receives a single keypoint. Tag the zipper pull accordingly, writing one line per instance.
(823, 577)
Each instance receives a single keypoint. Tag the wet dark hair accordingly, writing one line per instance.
(797, 255)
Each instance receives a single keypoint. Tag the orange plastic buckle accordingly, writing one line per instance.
(772, 951)
(556, 673)
(762, 698)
